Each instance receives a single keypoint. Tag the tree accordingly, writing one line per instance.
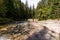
(27, 9)
(30, 12)
(34, 14)
(2, 9)
(15, 9)
(48, 9)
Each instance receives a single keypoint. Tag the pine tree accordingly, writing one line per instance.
(27, 9)
(33, 13)
(48, 9)
(2, 9)
(30, 12)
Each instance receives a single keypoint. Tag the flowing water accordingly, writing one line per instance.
(51, 32)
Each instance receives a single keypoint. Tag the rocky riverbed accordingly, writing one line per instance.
(38, 30)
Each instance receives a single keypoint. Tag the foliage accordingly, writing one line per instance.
(18, 11)
(48, 9)
(14, 10)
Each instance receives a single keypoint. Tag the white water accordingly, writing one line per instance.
(52, 25)
(4, 37)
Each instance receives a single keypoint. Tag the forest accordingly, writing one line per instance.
(15, 10)
(14, 23)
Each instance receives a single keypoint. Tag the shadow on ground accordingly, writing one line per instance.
(42, 35)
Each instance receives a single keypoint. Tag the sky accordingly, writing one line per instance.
(31, 2)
